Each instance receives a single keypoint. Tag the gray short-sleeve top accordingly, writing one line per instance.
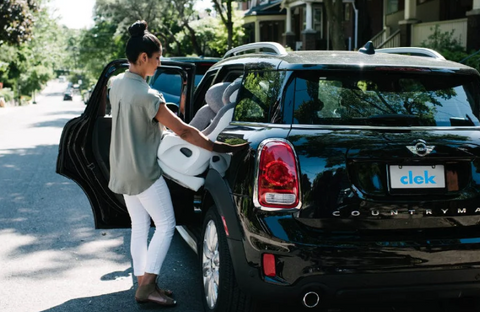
(136, 135)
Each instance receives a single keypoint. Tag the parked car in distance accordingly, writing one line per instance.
(361, 182)
(67, 96)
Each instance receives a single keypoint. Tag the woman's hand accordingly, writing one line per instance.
(221, 147)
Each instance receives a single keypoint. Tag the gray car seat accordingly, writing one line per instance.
(207, 112)
(184, 162)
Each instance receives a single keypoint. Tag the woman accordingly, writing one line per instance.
(138, 116)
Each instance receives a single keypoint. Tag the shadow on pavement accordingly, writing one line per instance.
(44, 213)
(120, 301)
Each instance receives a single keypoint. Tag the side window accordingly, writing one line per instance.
(258, 99)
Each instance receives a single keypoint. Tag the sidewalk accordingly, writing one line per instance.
(38, 97)
(5, 109)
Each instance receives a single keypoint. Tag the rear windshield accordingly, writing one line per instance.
(385, 98)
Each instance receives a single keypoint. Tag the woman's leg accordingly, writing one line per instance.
(157, 202)
(140, 228)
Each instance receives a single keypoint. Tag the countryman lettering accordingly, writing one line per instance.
(396, 212)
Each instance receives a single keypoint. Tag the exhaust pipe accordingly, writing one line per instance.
(311, 299)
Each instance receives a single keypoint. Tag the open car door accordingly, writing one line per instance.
(83, 154)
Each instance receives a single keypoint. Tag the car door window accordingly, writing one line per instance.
(258, 99)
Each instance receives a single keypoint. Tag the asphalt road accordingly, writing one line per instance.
(51, 257)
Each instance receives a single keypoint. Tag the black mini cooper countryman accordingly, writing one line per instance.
(361, 180)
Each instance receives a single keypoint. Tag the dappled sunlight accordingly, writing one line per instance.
(8, 236)
(16, 197)
(53, 254)
(46, 221)
(96, 248)
(10, 166)
(20, 152)
(26, 139)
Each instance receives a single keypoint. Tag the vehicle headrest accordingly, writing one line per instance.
(214, 94)
(230, 93)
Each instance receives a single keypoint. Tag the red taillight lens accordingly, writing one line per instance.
(269, 268)
(277, 176)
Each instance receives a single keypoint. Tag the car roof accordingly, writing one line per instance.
(323, 59)
(191, 59)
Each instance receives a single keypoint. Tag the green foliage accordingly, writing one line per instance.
(96, 47)
(27, 67)
(226, 12)
(7, 94)
(34, 78)
(16, 21)
(212, 36)
(442, 42)
(164, 19)
(446, 44)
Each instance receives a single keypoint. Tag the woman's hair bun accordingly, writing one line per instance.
(138, 29)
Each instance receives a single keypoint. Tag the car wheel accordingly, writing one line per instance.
(220, 292)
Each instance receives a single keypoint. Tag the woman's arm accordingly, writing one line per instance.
(186, 132)
(193, 135)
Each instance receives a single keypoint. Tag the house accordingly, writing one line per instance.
(304, 25)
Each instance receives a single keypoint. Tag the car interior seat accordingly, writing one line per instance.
(184, 162)
(207, 112)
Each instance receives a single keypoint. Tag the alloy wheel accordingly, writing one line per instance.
(211, 264)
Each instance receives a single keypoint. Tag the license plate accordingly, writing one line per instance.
(414, 177)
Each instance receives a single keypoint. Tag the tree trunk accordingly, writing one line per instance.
(229, 25)
(335, 19)
(195, 44)
(227, 20)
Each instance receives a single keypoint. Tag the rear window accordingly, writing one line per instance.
(385, 98)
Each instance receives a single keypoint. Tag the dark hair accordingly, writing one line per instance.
(141, 40)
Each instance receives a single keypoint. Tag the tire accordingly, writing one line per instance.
(220, 292)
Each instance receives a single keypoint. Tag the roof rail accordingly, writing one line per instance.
(415, 51)
(265, 47)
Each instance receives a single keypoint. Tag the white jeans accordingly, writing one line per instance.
(156, 203)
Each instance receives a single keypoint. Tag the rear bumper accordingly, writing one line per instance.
(361, 287)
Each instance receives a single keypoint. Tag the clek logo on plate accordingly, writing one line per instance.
(404, 177)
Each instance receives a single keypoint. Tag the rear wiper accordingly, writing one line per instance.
(393, 120)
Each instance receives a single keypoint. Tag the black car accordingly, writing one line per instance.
(361, 181)
(67, 96)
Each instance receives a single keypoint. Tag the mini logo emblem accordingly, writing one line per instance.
(421, 148)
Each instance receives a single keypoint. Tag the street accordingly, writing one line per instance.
(52, 258)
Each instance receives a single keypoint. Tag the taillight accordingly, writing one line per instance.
(277, 183)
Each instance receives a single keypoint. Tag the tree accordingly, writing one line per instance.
(16, 20)
(225, 11)
(27, 66)
(211, 35)
(335, 18)
(164, 20)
